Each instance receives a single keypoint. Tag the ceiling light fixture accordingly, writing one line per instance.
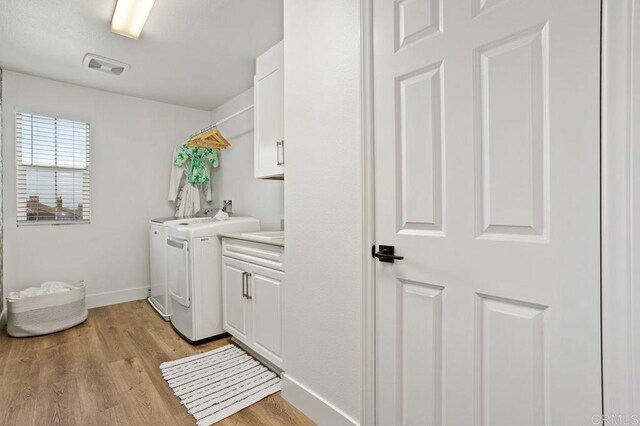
(130, 16)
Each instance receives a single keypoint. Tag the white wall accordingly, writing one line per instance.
(234, 180)
(132, 144)
(323, 209)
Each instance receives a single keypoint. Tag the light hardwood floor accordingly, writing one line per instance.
(106, 372)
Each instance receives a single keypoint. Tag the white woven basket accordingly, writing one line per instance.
(47, 313)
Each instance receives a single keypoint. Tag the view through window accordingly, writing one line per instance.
(53, 176)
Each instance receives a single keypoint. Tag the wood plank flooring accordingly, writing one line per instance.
(106, 372)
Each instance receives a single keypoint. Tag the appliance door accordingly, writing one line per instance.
(158, 267)
(178, 270)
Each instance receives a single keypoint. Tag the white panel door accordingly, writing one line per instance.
(235, 304)
(487, 182)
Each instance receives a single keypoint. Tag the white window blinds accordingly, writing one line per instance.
(53, 170)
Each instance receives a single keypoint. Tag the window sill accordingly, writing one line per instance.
(53, 222)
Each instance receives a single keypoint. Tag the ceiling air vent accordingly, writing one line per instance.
(100, 63)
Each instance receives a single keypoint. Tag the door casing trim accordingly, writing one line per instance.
(619, 338)
(368, 330)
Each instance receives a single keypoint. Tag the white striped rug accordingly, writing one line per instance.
(216, 384)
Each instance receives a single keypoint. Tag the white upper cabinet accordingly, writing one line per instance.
(269, 114)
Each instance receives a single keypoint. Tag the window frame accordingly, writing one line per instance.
(87, 171)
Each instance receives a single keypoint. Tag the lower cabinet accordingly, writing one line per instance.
(235, 304)
(252, 306)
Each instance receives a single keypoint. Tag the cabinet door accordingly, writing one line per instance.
(235, 304)
(269, 114)
(266, 313)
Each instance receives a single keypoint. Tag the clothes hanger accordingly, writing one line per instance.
(209, 137)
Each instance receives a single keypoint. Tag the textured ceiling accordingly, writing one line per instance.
(196, 53)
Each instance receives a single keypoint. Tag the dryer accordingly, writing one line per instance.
(158, 292)
(194, 276)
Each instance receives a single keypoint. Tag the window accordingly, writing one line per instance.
(53, 171)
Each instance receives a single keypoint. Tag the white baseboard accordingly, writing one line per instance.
(313, 405)
(119, 296)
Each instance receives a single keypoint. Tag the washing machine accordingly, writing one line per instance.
(194, 274)
(158, 292)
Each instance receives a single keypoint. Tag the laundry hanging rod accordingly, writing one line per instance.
(217, 123)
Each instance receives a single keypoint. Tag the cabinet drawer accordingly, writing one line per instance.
(266, 255)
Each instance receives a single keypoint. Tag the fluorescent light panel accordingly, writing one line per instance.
(130, 16)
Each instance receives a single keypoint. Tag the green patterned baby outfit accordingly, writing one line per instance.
(197, 160)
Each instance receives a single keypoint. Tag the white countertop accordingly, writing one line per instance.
(255, 237)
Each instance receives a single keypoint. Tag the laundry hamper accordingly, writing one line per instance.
(47, 313)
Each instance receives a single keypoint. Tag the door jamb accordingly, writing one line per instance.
(619, 336)
(368, 400)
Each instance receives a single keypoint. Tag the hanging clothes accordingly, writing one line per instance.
(190, 174)
(197, 160)
(187, 201)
